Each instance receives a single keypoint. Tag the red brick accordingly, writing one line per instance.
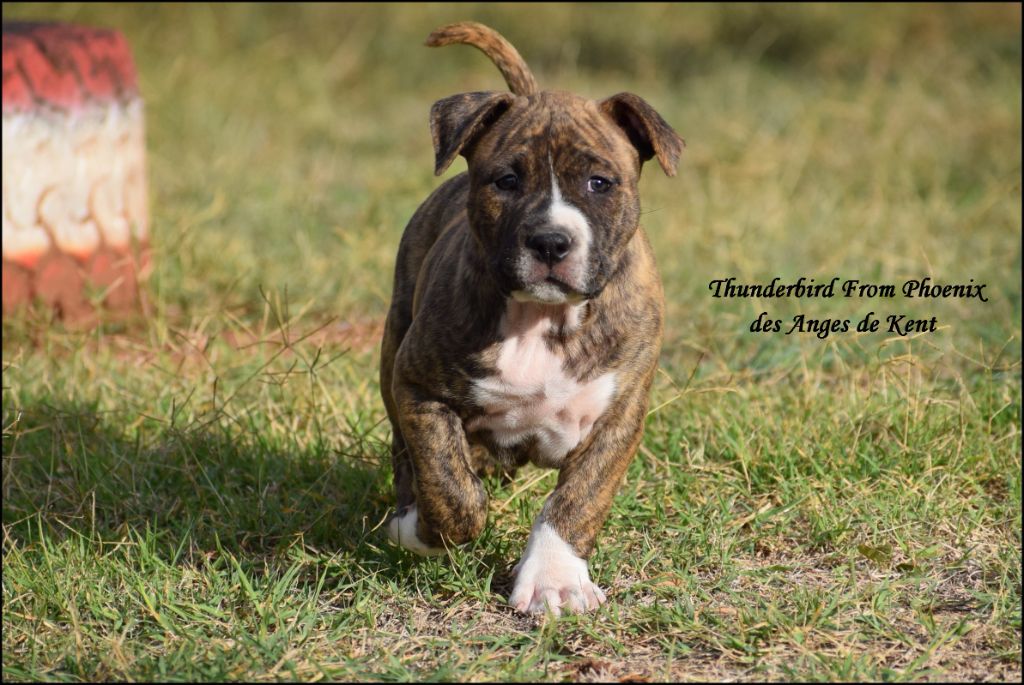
(58, 282)
(17, 287)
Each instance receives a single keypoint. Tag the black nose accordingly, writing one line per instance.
(550, 247)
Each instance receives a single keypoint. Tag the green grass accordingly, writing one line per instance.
(198, 494)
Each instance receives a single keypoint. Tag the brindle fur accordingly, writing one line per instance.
(452, 284)
(517, 75)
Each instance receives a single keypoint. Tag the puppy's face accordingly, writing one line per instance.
(553, 186)
(553, 198)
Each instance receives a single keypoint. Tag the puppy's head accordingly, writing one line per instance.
(553, 183)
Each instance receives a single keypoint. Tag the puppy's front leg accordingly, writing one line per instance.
(553, 570)
(451, 504)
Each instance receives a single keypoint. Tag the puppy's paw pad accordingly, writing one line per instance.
(568, 594)
(551, 577)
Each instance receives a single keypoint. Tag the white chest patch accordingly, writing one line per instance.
(531, 395)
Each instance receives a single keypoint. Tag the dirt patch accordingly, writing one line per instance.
(361, 335)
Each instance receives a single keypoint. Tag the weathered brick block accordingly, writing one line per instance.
(74, 182)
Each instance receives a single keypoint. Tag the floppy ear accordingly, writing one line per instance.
(457, 120)
(650, 134)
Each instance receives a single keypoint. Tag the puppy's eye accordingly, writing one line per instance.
(507, 182)
(599, 184)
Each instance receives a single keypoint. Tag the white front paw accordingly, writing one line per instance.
(402, 531)
(551, 577)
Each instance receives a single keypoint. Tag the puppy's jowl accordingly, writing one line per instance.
(526, 318)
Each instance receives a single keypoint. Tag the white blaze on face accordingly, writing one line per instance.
(570, 220)
(571, 271)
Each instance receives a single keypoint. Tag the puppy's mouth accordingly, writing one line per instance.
(557, 282)
(551, 290)
(529, 279)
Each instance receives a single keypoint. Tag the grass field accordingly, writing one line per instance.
(198, 493)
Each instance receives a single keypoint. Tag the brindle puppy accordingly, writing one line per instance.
(526, 318)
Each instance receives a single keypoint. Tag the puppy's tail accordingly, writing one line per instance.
(511, 65)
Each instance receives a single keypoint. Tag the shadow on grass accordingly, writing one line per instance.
(71, 471)
(249, 490)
